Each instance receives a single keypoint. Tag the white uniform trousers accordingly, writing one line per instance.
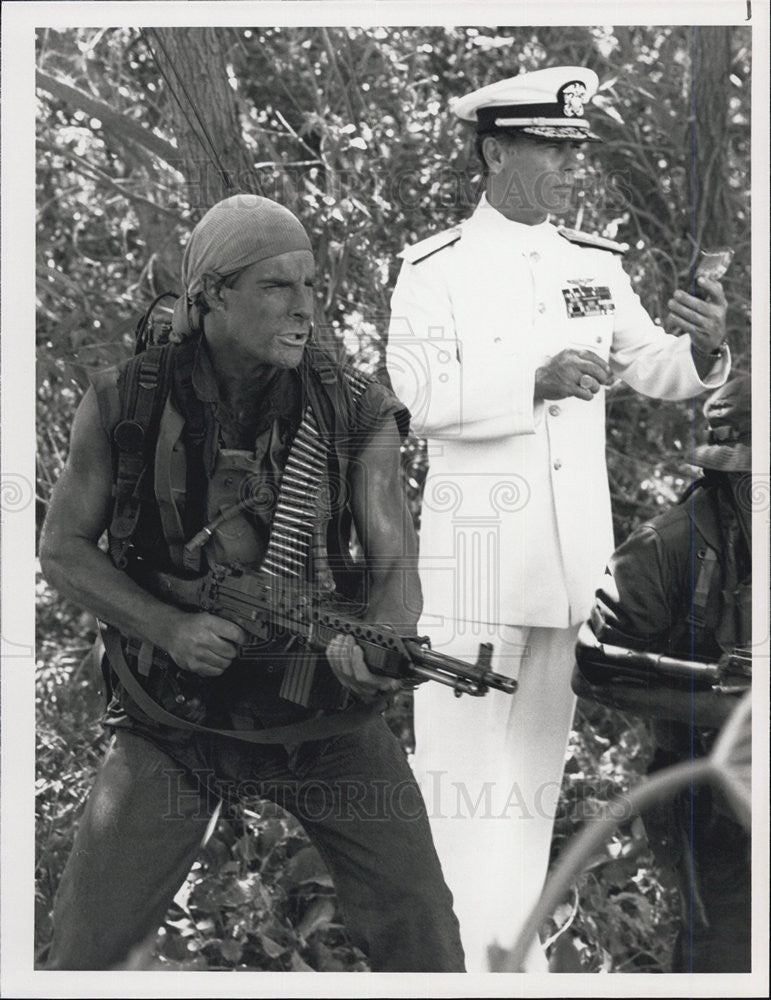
(490, 770)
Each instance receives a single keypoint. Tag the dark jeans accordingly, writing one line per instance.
(354, 794)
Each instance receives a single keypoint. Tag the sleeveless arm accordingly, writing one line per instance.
(72, 561)
(385, 529)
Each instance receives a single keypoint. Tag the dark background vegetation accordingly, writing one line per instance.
(140, 131)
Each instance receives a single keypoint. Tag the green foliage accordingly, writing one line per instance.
(363, 146)
(259, 897)
(70, 742)
(351, 128)
(621, 917)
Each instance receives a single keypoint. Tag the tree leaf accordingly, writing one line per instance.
(307, 866)
(319, 914)
(272, 948)
(231, 950)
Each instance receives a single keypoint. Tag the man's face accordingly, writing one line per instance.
(267, 311)
(532, 178)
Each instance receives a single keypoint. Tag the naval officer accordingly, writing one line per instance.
(504, 333)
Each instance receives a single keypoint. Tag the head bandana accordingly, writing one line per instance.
(234, 233)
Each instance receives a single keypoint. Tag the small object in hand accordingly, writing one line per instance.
(711, 264)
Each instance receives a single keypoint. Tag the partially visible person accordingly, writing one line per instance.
(681, 585)
(504, 333)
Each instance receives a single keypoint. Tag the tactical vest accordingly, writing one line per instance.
(719, 618)
(165, 451)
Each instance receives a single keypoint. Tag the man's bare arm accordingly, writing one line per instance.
(386, 532)
(72, 561)
(387, 535)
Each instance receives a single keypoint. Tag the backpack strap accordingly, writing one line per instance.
(170, 477)
(143, 385)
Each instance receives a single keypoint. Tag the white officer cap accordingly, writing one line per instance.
(547, 103)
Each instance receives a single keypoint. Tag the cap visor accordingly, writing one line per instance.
(560, 133)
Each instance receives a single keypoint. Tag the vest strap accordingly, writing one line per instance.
(170, 473)
(145, 390)
(708, 560)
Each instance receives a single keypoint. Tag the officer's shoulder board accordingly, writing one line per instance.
(425, 248)
(595, 242)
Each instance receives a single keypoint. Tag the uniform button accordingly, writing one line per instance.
(228, 480)
(541, 307)
(554, 410)
(599, 340)
(557, 464)
(497, 340)
(535, 256)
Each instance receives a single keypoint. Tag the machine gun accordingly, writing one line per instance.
(290, 624)
(693, 691)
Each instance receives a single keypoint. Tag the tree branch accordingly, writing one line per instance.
(122, 127)
(99, 175)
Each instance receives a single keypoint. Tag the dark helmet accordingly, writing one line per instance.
(729, 414)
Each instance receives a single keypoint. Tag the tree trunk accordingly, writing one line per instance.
(203, 111)
(708, 138)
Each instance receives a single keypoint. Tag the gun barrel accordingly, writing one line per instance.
(689, 668)
(458, 684)
(635, 661)
(478, 676)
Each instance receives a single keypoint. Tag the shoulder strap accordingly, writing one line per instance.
(590, 240)
(143, 386)
(170, 478)
(707, 537)
(425, 248)
(704, 581)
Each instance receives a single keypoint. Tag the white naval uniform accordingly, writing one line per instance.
(515, 525)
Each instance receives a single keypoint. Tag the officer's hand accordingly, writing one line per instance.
(348, 666)
(703, 319)
(204, 643)
(571, 373)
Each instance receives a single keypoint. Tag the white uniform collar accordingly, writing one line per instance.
(489, 217)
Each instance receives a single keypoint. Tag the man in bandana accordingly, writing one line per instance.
(248, 396)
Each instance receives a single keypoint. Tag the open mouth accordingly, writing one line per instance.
(295, 339)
